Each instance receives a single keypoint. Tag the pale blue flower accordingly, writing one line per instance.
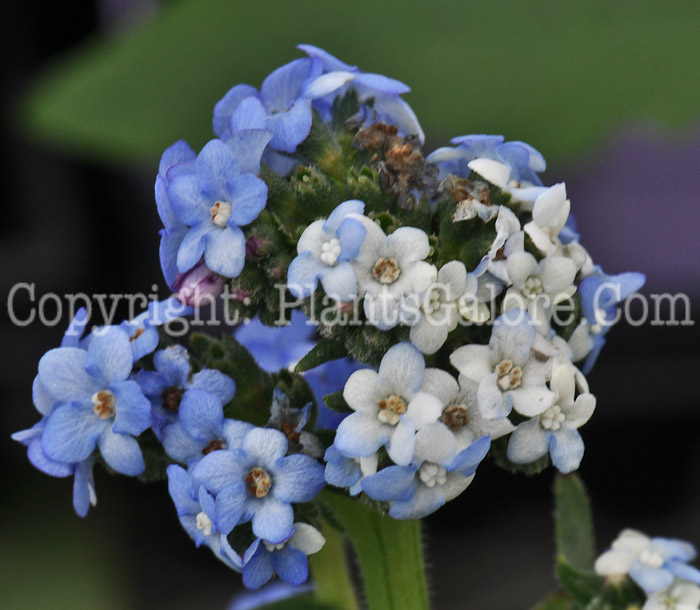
(325, 249)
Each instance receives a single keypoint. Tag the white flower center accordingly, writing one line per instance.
(651, 559)
(220, 213)
(509, 375)
(204, 523)
(432, 474)
(434, 300)
(104, 404)
(390, 408)
(273, 547)
(386, 270)
(330, 251)
(258, 482)
(533, 287)
(552, 418)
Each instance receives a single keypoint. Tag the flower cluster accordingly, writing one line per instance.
(659, 566)
(458, 308)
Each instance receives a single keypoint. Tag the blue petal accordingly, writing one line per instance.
(201, 414)
(283, 86)
(297, 478)
(180, 152)
(247, 147)
(258, 569)
(351, 206)
(566, 448)
(43, 401)
(109, 355)
(211, 380)
(193, 244)
(182, 491)
(381, 83)
(291, 565)
(683, 571)
(650, 580)
(330, 63)
(351, 235)
(63, 375)
(170, 240)
(265, 447)
(225, 251)
(179, 445)
(290, 128)
(133, 408)
(174, 364)
(248, 198)
(425, 501)
(344, 473)
(467, 460)
(36, 455)
(186, 199)
(220, 469)
(302, 276)
(361, 434)
(670, 548)
(84, 488)
(215, 165)
(392, 483)
(225, 107)
(76, 328)
(249, 114)
(230, 503)
(71, 433)
(273, 520)
(122, 453)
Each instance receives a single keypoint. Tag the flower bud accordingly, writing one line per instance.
(199, 286)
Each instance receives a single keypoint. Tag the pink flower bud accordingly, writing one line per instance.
(199, 286)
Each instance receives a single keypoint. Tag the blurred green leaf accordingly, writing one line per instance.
(558, 601)
(582, 585)
(556, 73)
(573, 522)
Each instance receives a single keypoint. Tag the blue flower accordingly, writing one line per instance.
(96, 405)
(279, 107)
(182, 157)
(600, 295)
(435, 477)
(326, 379)
(197, 513)
(521, 159)
(259, 482)
(187, 409)
(214, 197)
(277, 347)
(83, 484)
(325, 249)
(342, 471)
(288, 559)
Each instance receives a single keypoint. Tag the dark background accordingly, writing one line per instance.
(73, 224)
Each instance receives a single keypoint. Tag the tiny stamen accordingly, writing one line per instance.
(220, 213)
(386, 270)
(455, 417)
(258, 482)
(104, 404)
(172, 398)
(509, 375)
(390, 408)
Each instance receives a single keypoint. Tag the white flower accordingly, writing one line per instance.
(499, 174)
(438, 313)
(538, 287)
(389, 407)
(507, 370)
(549, 215)
(389, 268)
(556, 429)
(679, 596)
(460, 412)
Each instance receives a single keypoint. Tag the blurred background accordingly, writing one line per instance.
(94, 91)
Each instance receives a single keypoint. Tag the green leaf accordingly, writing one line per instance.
(336, 402)
(307, 601)
(558, 601)
(127, 97)
(325, 350)
(573, 522)
(390, 554)
(582, 585)
(331, 572)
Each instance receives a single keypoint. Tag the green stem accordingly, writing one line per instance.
(331, 572)
(390, 554)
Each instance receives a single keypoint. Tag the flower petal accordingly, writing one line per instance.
(122, 453)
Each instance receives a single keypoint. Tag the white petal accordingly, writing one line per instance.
(473, 361)
(528, 443)
(307, 539)
(424, 409)
(441, 384)
(361, 391)
(435, 443)
(494, 171)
